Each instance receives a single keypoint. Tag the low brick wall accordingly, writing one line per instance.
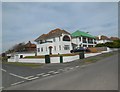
(97, 49)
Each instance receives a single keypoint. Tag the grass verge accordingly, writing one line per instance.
(32, 65)
(97, 58)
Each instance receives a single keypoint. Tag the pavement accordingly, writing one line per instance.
(67, 76)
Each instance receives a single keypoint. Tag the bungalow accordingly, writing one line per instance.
(57, 41)
(82, 39)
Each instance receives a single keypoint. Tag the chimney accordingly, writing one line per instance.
(99, 37)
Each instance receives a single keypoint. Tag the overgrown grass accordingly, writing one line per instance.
(32, 65)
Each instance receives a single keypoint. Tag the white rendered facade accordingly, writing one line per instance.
(58, 46)
(84, 41)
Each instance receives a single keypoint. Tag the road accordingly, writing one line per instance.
(102, 75)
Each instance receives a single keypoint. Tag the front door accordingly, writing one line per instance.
(50, 50)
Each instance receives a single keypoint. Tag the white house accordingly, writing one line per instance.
(83, 39)
(55, 42)
(61, 42)
(103, 39)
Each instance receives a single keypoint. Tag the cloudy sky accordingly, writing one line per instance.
(22, 22)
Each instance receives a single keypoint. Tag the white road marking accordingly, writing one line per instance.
(51, 71)
(18, 76)
(45, 75)
(76, 66)
(29, 77)
(71, 68)
(1, 88)
(55, 72)
(67, 68)
(61, 70)
(4, 70)
(40, 74)
(17, 83)
(33, 78)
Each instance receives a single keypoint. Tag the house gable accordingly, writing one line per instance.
(53, 33)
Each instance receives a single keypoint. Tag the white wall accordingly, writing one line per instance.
(57, 59)
(40, 60)
(70, 58)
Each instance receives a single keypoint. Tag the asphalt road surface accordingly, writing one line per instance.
(102, 75)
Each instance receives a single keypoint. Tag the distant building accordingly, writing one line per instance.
(29, 47)
(114, 38)
(103, 39)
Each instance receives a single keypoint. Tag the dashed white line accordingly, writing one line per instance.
(45, 75)
(55, 72)
(71, 68)
(29, 77)
(51, 71)
(18, 76)
(77, 66)
(61, 70)
(17, 83)
(4, 70)
(40, 74)
(33, 78)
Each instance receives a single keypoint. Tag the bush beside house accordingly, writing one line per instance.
(114, 44)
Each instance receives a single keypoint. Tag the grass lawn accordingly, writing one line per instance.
(54, 55)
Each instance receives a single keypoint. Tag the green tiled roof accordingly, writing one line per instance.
(80, 33)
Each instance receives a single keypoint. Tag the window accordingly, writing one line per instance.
(54, 39)
(84, 45)
(55, 48)
(66, 47)
(46, 48)
(41, 49)
(79, 38)
(59, 47)
(66, 38)
(59, 38)
(84, 40)
(21, 56)
(38, 49)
